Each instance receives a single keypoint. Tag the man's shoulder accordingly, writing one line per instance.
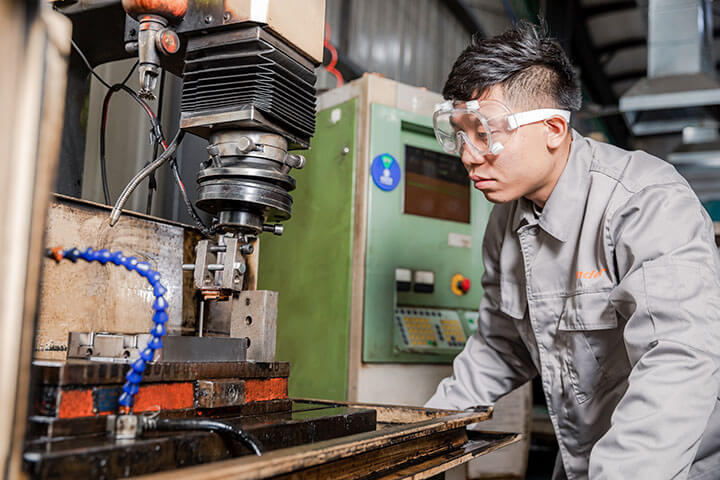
(632, 170)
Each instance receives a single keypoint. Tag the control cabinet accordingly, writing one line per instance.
(379, 271)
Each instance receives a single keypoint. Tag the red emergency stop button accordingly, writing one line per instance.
(459, 284)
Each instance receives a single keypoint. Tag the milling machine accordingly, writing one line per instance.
(109, 400)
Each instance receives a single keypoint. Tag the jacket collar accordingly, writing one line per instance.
(568, 198)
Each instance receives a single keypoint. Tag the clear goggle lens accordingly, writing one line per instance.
(483, 126)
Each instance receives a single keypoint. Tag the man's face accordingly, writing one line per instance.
(523, 166)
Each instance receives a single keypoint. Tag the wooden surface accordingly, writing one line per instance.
(282, 462)
(392, 414)
(91, 297)
(445, 462)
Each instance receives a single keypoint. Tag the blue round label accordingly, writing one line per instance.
(385, 172)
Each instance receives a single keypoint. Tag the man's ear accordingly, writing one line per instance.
(557, 129)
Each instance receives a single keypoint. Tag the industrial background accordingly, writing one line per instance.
(370, 291)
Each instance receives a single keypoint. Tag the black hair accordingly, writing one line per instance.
(532, 68)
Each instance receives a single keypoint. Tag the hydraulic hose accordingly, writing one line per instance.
(144, 173)
(164, 424)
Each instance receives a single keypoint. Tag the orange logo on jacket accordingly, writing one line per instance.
(590, 274)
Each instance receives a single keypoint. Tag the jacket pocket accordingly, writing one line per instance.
(588, 339)
(513, 301)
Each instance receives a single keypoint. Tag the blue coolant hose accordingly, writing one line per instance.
(160, 316)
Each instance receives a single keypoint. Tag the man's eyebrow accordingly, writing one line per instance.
(466, 118)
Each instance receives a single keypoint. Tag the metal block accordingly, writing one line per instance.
(126, 348)
(219, 393)
(254, 318)
(233, 266)
(106, 346)
(79, 372)
(124, 427)
(202, 277)
(218, 266)
(202, 349)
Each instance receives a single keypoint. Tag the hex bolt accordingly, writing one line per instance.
(240, 267)
(244, 145)
(232, 393)
(275, 229)
(295, 161)
(214, 152)
(131, 47)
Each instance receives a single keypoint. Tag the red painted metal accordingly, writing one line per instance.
(78, 403)
(270, 389)
(169, 9)
(169, 396)
(75, 404)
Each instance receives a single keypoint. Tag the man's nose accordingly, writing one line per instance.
(471, 159)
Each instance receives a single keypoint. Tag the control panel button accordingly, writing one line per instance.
(403, 279)
(460, 284)
(424, 281)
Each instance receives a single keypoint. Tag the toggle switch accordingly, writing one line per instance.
(459, 284)
(424, 281)
(403, 279)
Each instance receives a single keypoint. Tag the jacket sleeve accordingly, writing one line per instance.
(494, 360)
(669, 296)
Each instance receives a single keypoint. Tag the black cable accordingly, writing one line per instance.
(157, 135)
(95, 74)
(156, 129)
(152, 183)
(112, 89)
(87, 63)
(165, 424)
(208, 232)
(129, 74)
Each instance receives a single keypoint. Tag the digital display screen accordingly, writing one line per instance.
(436, 185)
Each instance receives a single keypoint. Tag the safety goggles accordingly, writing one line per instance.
(484, 126)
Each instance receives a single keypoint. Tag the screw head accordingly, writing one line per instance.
(244, 145)
(226, 16)
(208, 18)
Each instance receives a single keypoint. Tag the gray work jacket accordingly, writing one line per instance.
(612, 295)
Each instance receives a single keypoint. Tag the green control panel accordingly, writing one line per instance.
(425, 225)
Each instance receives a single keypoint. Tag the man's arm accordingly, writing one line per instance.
(494, 360)
(669, 293)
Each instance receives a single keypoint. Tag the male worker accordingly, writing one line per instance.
(601, 273)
